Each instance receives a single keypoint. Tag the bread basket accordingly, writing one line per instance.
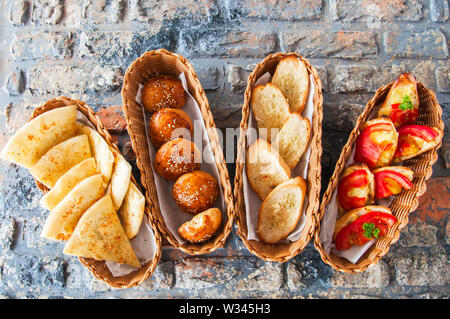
(96, 267)
(281, 252)
(164, 62)
(430, 113)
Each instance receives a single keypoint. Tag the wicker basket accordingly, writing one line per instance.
(404, 203)
(281, 252)
(96, 267)
(164, 62)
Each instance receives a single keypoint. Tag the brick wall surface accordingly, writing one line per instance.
(82, 48)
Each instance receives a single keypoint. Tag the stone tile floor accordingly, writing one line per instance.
(82, 49)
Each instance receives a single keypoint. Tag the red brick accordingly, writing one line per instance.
(434, 205)
(113, 119)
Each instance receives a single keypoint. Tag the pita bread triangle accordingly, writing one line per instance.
(99, 235)
(68, 181)
(62, 220)
(132, 210)
(60, 158)
(36, 137)
(100, 150)
(120, 179)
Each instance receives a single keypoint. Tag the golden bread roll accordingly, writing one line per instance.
(176, 158)
(202, 226)
(163, 91)
(195, 192)
(168, 124)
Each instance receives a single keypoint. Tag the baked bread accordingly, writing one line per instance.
(163, 91)
(281, 210)
(265, 168)
(355, 188)
(39, 135)
(168, 124)
(195, 192)
(416, 139)
(361, 225)
(202, 226)
(293, 138)
(402, 102)
(60, 158)
(390, 180)
(271, 109)
(376, 143)
(291, 77)
(176, 158)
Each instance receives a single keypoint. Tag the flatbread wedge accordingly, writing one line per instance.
(100, 235)
(101, 151)
(39, 135)
(62, 220)
(60, 158)
(120, 179)
(132, 210)
(68, 181)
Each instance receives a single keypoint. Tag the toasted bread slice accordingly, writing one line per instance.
(354, 214)
(367, 191)
(265, 168)
(404, 87)
(293, 138)
(291, 76)
(410, 146)
(271, 109)
(406, 171)
(281, 210)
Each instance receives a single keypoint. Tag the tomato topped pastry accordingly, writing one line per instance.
(414, 140)
(402, 102)
(376, 144)
(355, 188)
(361, 225)
(391, 180)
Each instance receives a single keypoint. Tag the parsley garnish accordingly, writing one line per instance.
(406, 104)
(370, 231)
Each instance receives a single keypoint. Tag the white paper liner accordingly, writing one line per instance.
(331, 215)
(144, 243)
(174, 217)
(251, 199)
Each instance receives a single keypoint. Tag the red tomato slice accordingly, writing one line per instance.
(422, 131)
(389, 183)
(403, 117)
(366, 150)
(355, 234)
(356, 179)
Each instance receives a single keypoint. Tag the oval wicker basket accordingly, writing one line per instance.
(96, 267)
(281, 252)
(404, 203)
(164, 62)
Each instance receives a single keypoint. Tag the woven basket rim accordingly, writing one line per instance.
(91, 264)
(381, 247)
(314, 167)
(147, 177)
